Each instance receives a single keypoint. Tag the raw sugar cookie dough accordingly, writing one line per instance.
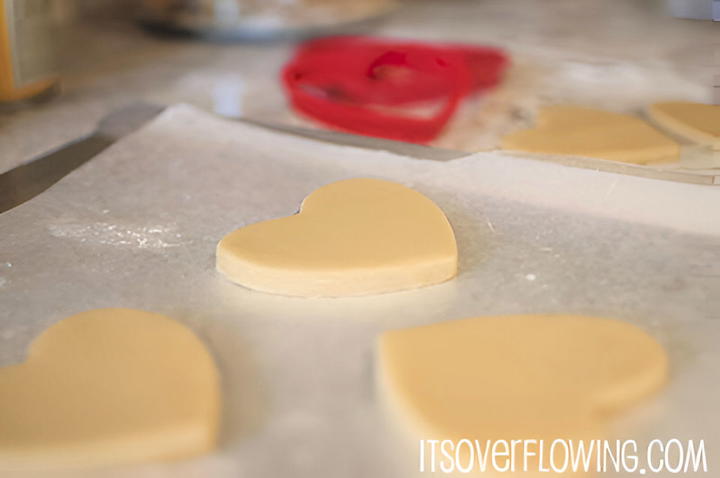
(696, 122)
(578, 131)
(514, 377)
(352, 237)
(106, 387)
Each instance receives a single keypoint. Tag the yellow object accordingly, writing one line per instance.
(517, 377)
(697, 122)
(106, 387)
(27, 57)
(577, 131)
(353, 237)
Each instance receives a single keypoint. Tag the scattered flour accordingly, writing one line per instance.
(118, 235)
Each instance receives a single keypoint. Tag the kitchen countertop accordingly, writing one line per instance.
(109, 63)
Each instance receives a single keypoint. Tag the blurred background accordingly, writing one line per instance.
(225, 56)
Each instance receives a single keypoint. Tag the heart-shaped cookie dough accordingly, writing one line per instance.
(517, 377)
(577, 131)
(353, 237)
(694, 121)
(109, 386)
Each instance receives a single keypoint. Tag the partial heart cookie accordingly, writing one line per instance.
(106, 387)
(353, 237)
(697, 122)
(578, 131)
(517, 377)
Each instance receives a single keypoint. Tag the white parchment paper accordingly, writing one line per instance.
(137, 227)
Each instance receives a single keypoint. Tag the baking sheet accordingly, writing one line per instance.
(137, 227)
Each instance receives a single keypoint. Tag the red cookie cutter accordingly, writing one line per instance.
(342, 82)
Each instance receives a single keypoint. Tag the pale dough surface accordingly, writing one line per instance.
(695, 121)
(105, 387)
(510, 377)
(353, 237)
(578, 131)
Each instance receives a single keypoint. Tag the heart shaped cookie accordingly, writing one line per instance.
(577, 131)
(106, 387)
(353, 237)
(694, 121)
(517, 377)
